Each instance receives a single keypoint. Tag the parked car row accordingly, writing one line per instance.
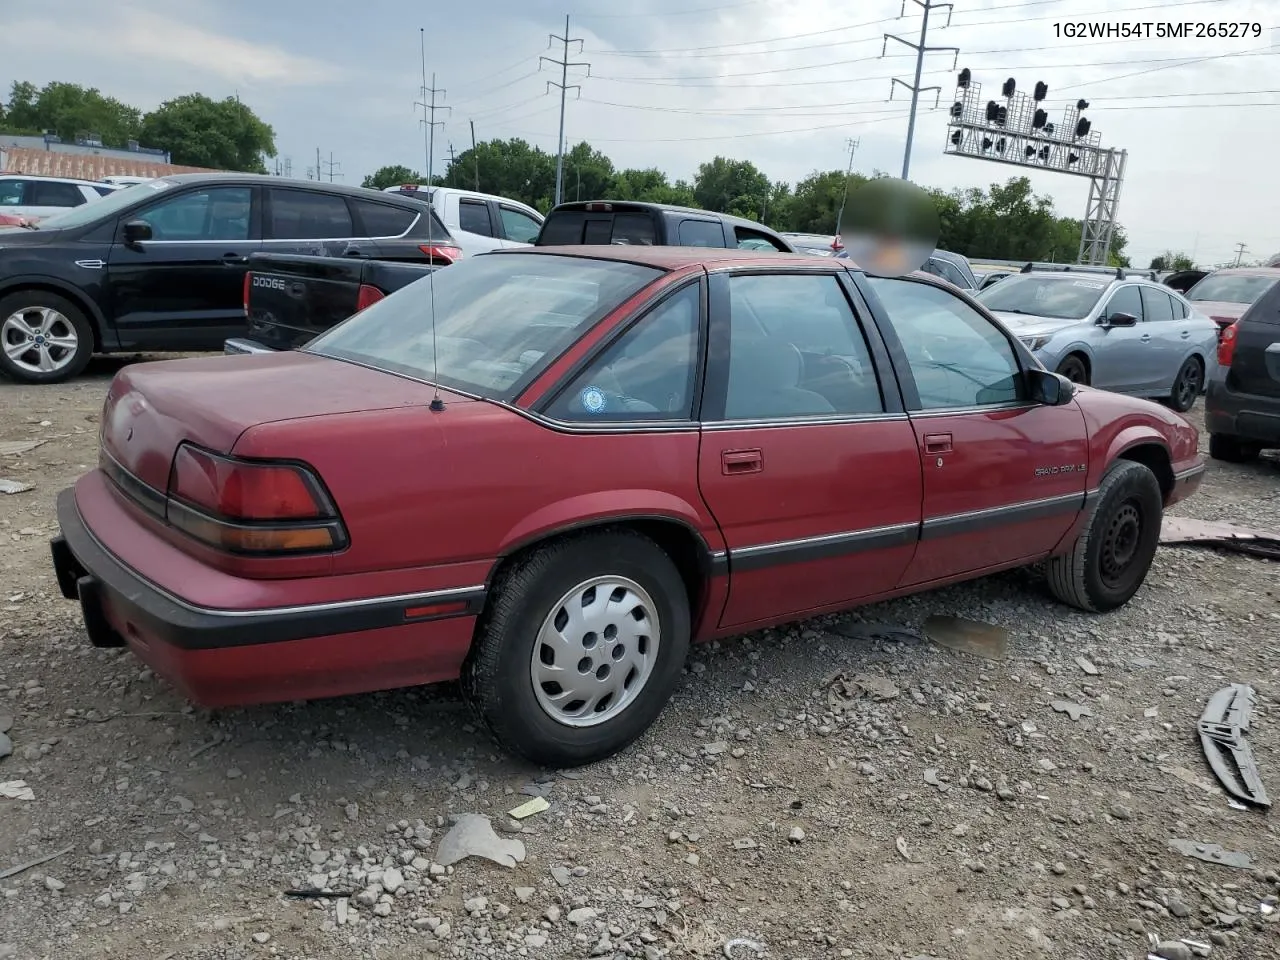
(547, 471)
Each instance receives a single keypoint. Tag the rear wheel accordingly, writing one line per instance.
(1111, 557)
(1187, 385)
(44, 338)
(1074, 369)
(580, 648)
(1232, 449)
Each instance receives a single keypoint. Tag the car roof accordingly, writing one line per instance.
(10, 175)
(269, 180)
(583, 205)
(666, 258)
(1248, 272)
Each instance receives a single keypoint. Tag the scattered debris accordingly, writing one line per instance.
(472, 836)
(10, 448)
(525, 810)
(1073, 710)
(1212, 853)
(1190, 778)
(1085, 664)
(22, 867)
(842, 690)
(16, 790)
(13, 486)
(1222, 727)
(796, 835)
(1228, 536)
(752, 945)
(313, 894)
(984, 640)
(901, 846)
(889, 632)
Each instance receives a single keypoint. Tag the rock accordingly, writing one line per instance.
(476, 905)
(524, 894)
(353, 812)
(713, 749)
(1074, 710)
(1134, 925)
(1172, 950)
(561, 875)
(261, 937)
(535, 941)
(235, 774)
(1084, 664)
(796, 835)
(1121, 812)
(392, 880)
(581, 915)
(54, 884)
(1178, 908)
(382, 909)
(552, 914)
(1059, 868)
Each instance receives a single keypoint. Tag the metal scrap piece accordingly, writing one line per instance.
(985, 640)
(1222, 727)
(1228, 536)
(1212, 853)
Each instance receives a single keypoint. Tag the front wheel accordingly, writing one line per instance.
(1074, 369)
(44, 338)
(1187, 386)
(580, 648)
(1111, 557)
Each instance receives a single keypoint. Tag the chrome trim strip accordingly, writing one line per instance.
(823, 540)
(238, 347)
(399, 236)
(980, 408)
(814, 421)
(1188, 473)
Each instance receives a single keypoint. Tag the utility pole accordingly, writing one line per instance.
(430, 121)
(318, 165)
(564, 87)
(921, 49)
(475, 157)
(452, 158)
(1240, 249)
(853, 145)
(332, 166)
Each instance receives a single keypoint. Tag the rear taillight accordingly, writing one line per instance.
(1227, 345)
(367, 296)
(248, 279)
(437, 251)
(251, 506)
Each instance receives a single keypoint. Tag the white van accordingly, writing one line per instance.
(478, 221)
(36, 197)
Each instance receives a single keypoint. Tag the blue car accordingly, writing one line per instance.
(1117, 333)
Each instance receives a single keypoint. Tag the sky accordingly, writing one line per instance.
(673, 83)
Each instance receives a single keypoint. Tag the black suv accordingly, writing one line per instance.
(161, 265)
(597, 222)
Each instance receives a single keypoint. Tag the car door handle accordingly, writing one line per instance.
(232, 259)
(1145, 338)
(741, 461)
(937, 443)
(1186, 334)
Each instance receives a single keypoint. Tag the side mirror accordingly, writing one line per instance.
(1050, 389)
(136, 231)
(1121, 320)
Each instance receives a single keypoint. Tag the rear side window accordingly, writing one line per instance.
(1180, 310)
(104, 190)
(48, 194)
(12, 192)
(561, 229)
(633, 228)
(473, 217)
(382, 219)
(1156, 305)
(701, 233)
(299, 215)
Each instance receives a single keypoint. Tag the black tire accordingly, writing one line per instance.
(498, 677)
(1232, 449)
(1110, 559)
(71, 362)
(1187, 385)
(1074, 369)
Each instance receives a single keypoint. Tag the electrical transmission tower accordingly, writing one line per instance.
(564, 87)
(332, 167)
(1240, 249)
(921, 49)
(429, 106)
(853, 145)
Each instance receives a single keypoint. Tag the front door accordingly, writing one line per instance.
(184, 288)
(1124, 356)
(1004, 479)
(808, 467)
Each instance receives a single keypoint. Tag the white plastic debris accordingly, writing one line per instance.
(16, 790)
(472, 836)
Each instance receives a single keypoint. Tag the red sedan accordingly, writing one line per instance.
(591, 458)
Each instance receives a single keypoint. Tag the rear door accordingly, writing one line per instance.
(184, 288)
(1167, 346)
(807, 462)
(1004, 478)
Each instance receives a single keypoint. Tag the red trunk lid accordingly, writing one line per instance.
(152, 407)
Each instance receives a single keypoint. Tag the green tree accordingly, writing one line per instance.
(815, 204)
(509, 168)
(70, 111)
(392, 176)
(731, 186)
(652, 186)
(1169, 260)
(588, 174)
(219, 134)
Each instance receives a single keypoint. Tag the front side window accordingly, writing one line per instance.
(940, 268)
(519, 226)
(12, 192)
(958, 358)
(647, 374)
(1125, 300)
(499, 320)
(1056, 296)
(473, 217)
(796, 350)
(307, 215)
(215, 213)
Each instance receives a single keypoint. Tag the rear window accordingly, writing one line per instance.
(500, 319)
(701, 233)
(1230, 288)
(383, 219)
(1039, 296)
(577, 227)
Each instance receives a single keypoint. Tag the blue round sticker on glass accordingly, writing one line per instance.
(593, 400)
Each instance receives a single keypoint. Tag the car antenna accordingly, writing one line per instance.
(437, 403)
(1026, 269)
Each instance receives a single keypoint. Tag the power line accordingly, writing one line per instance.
(332, 166)
(564, 87)
(676, 13)
(429, 108)
(921, 49)
(502, 86)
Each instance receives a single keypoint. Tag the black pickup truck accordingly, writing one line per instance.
(595, 222)
(291, 299)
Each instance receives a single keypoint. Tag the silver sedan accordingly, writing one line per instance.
(1126, 335)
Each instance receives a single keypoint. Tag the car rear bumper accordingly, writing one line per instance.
(1244, 416)
(239, 346)
(222, 657)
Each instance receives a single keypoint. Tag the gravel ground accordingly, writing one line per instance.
(960, 818)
